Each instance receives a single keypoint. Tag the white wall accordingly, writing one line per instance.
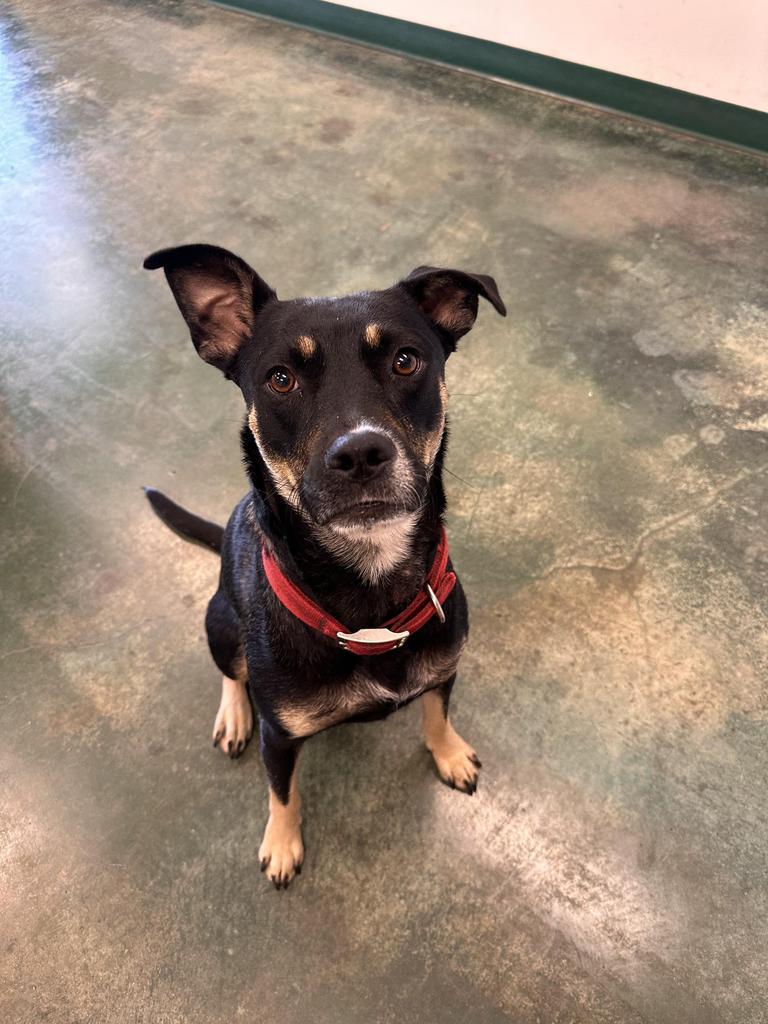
(717, 48)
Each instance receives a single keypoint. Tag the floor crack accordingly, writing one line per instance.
(658, 528)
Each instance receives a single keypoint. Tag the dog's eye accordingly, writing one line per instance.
(281, 380)
(406, 362)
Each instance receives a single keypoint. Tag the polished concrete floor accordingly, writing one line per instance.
(607, 513)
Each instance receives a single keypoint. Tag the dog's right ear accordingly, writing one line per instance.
(449, 298)
(218, 294)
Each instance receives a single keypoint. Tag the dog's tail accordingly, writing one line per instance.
(186, 524)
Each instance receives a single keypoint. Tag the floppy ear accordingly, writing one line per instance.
(218, 295)
(449, 297)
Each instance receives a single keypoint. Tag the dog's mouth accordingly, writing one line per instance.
(365, 513)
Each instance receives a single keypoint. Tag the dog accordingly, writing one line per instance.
(337, 601)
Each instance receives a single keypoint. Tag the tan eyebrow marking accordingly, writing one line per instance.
(372, 335)
(306, 346)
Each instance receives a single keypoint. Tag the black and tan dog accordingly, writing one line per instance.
(336, 601)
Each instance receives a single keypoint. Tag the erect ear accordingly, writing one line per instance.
(449, 297)
(218, 295)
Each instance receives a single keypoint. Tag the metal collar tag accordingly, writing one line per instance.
(374, 636)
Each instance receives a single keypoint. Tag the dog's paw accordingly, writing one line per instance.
(233, 727)
(456, 762)
(281, 853)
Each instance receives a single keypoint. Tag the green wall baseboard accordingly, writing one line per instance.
(685, 111)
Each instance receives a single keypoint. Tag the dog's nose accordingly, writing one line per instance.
(361, 455)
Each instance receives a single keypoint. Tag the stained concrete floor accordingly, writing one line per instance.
(607, 512)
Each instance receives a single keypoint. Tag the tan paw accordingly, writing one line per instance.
(457, 764)
(233, 727)
(281, 852)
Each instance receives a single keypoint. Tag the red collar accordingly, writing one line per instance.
(394, 632)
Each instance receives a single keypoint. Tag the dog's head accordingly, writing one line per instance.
(345, 396)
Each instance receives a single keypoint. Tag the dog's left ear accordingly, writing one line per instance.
(218, 294)
(449, 297)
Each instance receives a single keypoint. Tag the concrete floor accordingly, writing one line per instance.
(608, 516)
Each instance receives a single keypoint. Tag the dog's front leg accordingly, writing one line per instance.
(456, 762)
(282, 851)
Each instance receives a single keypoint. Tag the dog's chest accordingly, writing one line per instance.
(362, 692)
